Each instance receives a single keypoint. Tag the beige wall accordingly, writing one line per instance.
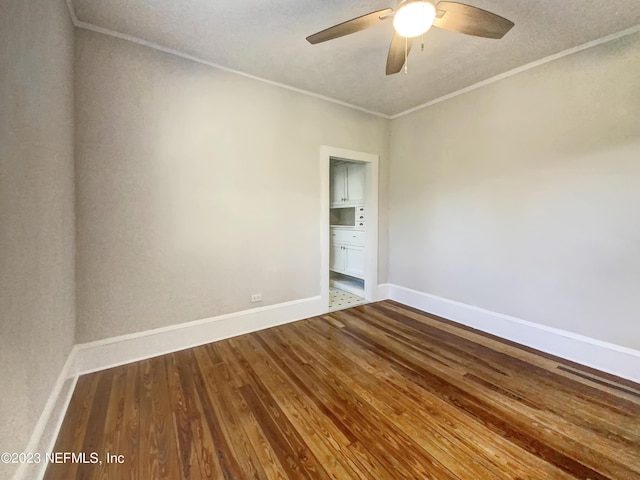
(197, 187)
(36, 211)
(523, 197)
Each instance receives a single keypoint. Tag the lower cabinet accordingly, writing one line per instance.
(354, 263)
(337, 258)
(347, 259)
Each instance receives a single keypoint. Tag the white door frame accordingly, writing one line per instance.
(371, 161)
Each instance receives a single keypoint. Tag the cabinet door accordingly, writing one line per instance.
(337, 258)
(354, 262)
(338, 184)
(355, 183)
(348, 237)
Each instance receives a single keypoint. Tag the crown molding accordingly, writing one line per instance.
(112, 33)
(523, 68)
(105, 31)
(72, 12)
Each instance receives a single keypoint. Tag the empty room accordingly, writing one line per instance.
(319, 240)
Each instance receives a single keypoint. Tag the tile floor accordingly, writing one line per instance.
(339, 299)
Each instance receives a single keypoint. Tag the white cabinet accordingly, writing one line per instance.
(347, 259)
(355, 183)
(354, 261)
(337, 258)
(347, 184)
(347, 236)
(347, 252)
(338, 183)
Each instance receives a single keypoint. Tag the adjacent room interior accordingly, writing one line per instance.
(347, 215)
(232, 247)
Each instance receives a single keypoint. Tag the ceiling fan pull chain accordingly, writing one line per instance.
(422, 44)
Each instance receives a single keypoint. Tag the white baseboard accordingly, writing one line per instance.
(123, 349)
(607, 357)
(45, 433)
(383, 291)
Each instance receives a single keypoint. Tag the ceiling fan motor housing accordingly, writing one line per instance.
(414, 17)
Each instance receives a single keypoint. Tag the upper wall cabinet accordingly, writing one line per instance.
(347, 184)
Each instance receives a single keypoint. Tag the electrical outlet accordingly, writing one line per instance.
(256, 297)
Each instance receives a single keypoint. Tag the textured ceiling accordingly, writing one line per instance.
(267, 39)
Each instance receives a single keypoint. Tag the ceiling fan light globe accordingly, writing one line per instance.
(414, 18)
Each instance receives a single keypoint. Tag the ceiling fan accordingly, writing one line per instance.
(414, 17)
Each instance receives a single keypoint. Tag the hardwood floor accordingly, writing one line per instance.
(379, 391)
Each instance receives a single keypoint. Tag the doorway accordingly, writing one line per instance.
(349, 227)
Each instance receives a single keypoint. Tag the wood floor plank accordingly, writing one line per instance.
(95, 438)
(211, 427)
(345, 435)
(583, 420)
(294, 453)
(374, 430)
(379, 391)
(163, 421)
(401, 411)
(322, 440)
(74, 427)
(210, 460)
(113, 424)
(552, 445)
(321, 435)
(186, 444)
(148, 458)
(448, 419)
(129, 439)
(219, 386)
(587, 424)
(250, 425)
